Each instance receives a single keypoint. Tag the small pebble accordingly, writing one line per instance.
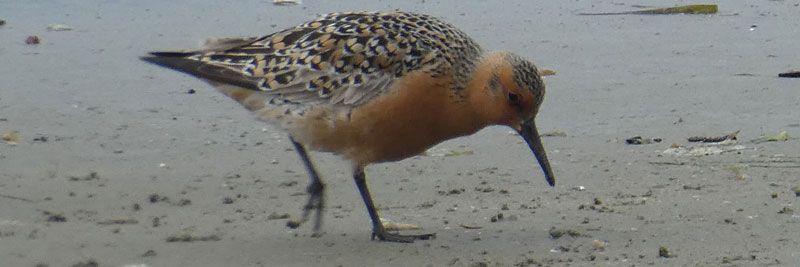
(33, 39)
(664, 252)
(597, 244)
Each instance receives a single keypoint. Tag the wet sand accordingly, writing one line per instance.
(117, 164)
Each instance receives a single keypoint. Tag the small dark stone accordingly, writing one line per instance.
(88, 263)
(149, 253)
(191, 91)
(786, 210)
(664, 252)
(33, 39)
(156, 198)
(293, 224)
(53, 217)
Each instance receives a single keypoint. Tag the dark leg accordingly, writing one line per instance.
(316, 190)
(377, 226)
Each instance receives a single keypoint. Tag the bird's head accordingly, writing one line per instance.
(507, 90)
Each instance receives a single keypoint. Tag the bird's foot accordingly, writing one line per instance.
(316, 201)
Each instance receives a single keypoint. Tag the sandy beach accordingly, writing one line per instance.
(110, 161)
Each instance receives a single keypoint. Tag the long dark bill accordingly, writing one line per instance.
(531, 136)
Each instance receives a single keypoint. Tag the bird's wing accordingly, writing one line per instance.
(342, 59)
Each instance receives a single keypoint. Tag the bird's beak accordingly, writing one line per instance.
(531, 135)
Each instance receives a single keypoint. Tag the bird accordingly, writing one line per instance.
(372, 87)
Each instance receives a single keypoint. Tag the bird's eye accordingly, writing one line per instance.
(513, 98)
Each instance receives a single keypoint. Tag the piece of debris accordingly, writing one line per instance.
(472, 227)
(286, 2)
(118, 221)
(2, 22)
(556, 233)
(293, 224)
(597, 244)
(558, 133)
(88, 177)
(497, 218)
(87, 263)
(185, 237)
(789, 74)
(391, 226)
(58, 27)
(32, 40)
(715, 139)
(443, 152)
(276, 216)
(664, 252)
(700, 151)
(11, 137)
(688, 9)
(546, 72)
(149, 253)
(692, 187)
(54, 217)
(639, 140)
(736, 170)
(796, 190)
(157, 198)
(782, 136)
(786, 210)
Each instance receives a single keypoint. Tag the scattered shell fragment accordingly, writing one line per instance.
(33, 39)
(597, 244)
(700, 151)
(11, 137)
(58, 27)
(286, 2)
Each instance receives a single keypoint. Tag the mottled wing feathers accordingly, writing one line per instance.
(339, 59)
(181, 61)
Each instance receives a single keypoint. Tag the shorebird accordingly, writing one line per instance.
(372, 87)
